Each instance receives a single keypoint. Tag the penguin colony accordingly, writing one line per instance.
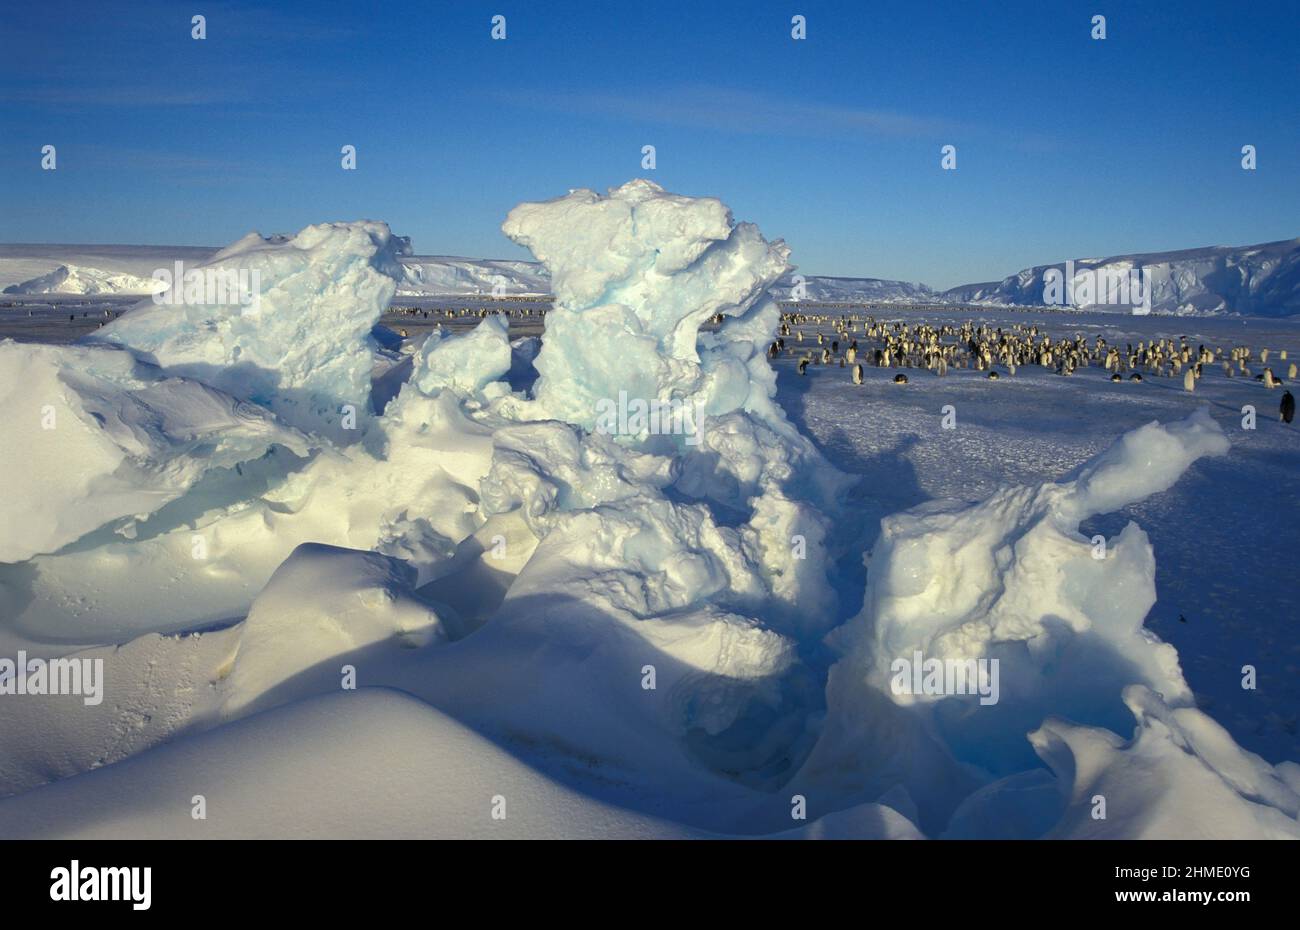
(856, 341)
(462, 313)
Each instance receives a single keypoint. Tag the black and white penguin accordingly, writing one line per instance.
(803, 365)
(857, 374)
(1116, 378)
(993, 376)
(900, 378)
(1287, 409)
(1136, 376)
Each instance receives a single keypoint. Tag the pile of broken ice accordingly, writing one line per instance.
(646, 617)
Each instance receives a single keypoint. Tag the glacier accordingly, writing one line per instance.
(629, 633)
(1253, 280)
(1249, 280)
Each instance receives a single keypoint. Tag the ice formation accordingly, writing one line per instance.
(298, 346)
(642, 616)
(1207, 787)
(635, 274)
(358, 599)
(93, 437)
(1011, 580)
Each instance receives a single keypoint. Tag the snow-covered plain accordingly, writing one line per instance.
(555, 629)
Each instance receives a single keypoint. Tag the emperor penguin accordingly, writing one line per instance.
(857, 374)
(1287, 409)
(1189, 380)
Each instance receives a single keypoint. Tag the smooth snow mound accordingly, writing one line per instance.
(324, 602)
(374, 764)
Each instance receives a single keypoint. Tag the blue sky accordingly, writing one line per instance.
(1066, 146)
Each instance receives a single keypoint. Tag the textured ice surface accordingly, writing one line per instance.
(954, 580)
(1180, 776)
(642, 619)
(466, 364)
(91, 436)
(635, 274)
(297, 349)
(1011, 580)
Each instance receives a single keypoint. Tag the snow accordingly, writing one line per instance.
(1011, 579)
(113, 269)
(377, 626)
(1208, 787)
(449, 275)
(357, 599)
(294, 349)
(1249, 280)
(94, 437)
(73, 279)
(635, 274)
(377, 764)
(1252, 280)
(466, 365)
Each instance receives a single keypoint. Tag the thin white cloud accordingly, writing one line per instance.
(731, 110)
